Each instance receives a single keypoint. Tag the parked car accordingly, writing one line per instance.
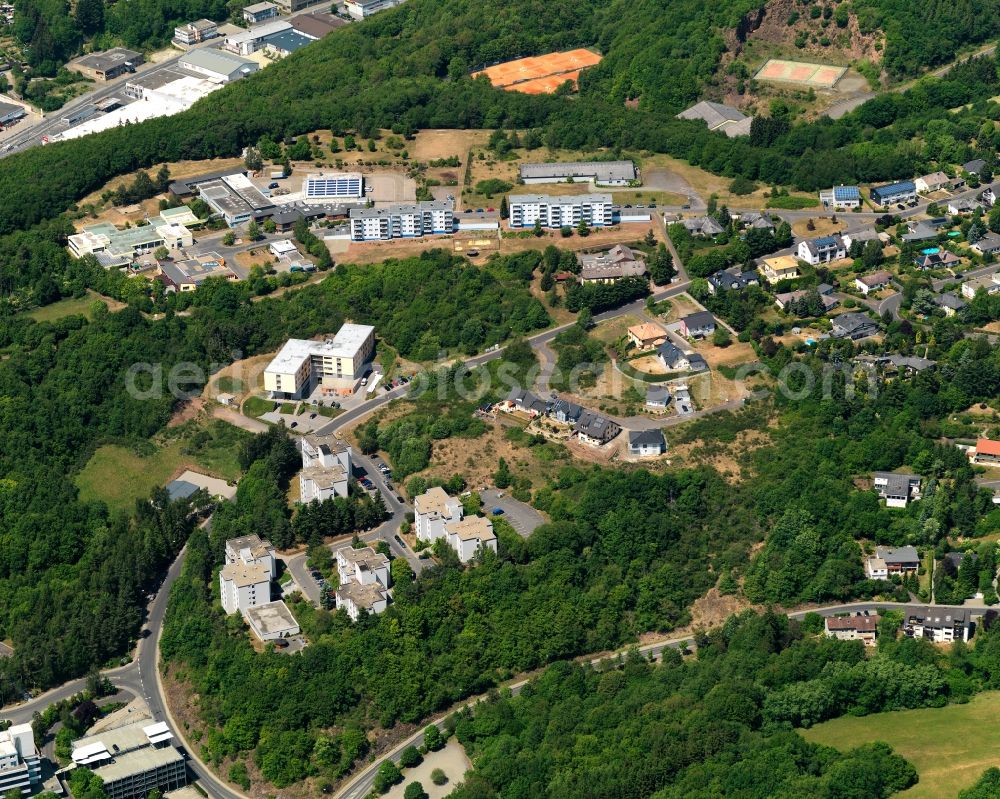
(280, 643)
(273, 186)
(498, 511)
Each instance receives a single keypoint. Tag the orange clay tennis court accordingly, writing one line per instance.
(540, 74)
(820, 76)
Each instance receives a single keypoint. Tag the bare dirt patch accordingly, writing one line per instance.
(188, 411)
(822, 226)
(724, 457)
(714, 609)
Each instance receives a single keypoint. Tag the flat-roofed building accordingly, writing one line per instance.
(432, 510)
(402, 221)
(320, 483)
(189, 273)
(325, 451)
(362, 9)
(220, 66)
(841, 197)
(195, 32)
(130, 242)
(133, 760)
(608, 173)
(252, 40)
(470, 535)
(243, 586)
(235, 198)
(335, 364)
(20, 763)
(252, 550)
(10, 113)
(271, 621)
(107, 65)
(356, 599)
(323, 186)
(559, 211)
(259, 12)
(364, 566)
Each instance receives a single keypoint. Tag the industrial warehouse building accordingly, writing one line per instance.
(610, 173)
(107, 65)
(218, 66)
(322, 186)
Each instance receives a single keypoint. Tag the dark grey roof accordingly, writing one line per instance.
(671, 353)
(181, 489)
(600, 170)
(897, 484)
(911, 362)
(568, 409)
(698, 364)
(596, 426)
(906, 554)
(854, 325)
(733, 278)
(658, 394)
(956, 558)
(699, 319)
(949, 300)
(928, 616)
(975, 166)
(646, 438)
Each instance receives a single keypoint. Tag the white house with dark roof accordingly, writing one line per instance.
(646, 443)
(699, 324)
(887, 561)
(876, 281)
(704, 226)
(896, 489)
(822, 250)
(942, 625)
(594, 429)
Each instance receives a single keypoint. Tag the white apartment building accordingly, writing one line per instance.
(431, 510)
(243, 587)
(251, 550)
(325, 451)
(320, 483)
(364, 566)
(364, 581)
(470, 535)
(559, 211)
(402, 221)
(334, 364)
(20, 764)
(195, 32)
(323, 186)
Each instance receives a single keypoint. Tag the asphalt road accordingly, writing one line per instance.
(361, 784)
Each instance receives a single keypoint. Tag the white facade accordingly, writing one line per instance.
(323, 186)
(362, 9)
(432, 510)
(20, 764)
(242, 587)
(402, 221)
(559, 211)
(334, 363)
(320, 483)
(470, 535)
(251, 550)
(364, 581)
(250, 41)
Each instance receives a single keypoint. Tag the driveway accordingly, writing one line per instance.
(521, 516)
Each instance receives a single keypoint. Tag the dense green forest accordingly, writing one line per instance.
(717, 724)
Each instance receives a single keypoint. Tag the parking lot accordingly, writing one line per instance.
(522, 517)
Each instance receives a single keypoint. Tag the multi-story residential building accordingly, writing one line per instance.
(133, 760)
(559, 211)
(195, 32)
(325, 451)
(242, 587)
(822, 250)
(323, 186)
(364, 566)
(470, 535)
(357, 599)
(364, 581)
(607, 267)
(841, 197)
(335, 364)
(251, 550)
(938, 624)
(402, 221)
(320, 483)
(20, 764)
(432, 510)
(853, 628)
(252, 40)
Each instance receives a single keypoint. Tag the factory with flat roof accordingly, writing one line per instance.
(235, 198)
(335, 364)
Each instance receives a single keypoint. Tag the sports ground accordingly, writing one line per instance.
(540, 74)
(804, 73)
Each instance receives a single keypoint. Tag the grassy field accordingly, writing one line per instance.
(950, 746)
(119, 475)
(70, 307)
